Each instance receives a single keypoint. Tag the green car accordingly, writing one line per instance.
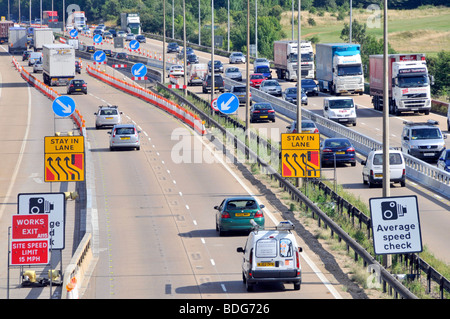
(235, 214)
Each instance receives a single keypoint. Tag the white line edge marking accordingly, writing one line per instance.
(316, 270)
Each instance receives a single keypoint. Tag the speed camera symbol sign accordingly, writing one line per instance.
(395, 225)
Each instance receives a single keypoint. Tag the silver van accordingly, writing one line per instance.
(271, 255)
(423, 140)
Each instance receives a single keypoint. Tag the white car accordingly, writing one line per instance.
(37, 66)
(237, 57)
(121, 34)
(130, 37)
(261, 61)
(372, 172)
(176, 70)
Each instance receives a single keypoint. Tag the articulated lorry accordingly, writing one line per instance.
(4, 30)
(58, 64)
(17, 42)
(285, 59)
(408, 83)
(42, 36)
(307, 60)
(130, 23)
(338, 68)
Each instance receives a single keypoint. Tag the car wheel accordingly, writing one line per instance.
(297, 286)
(244, 280)
(248, 286)
(138, 148)
(403, 183)
(353, 163)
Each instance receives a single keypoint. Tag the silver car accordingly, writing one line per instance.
(271, 87)
(237, 57)
(107, 116)
(37, 67)
(233, 73)
(130, 37)
(124, 136)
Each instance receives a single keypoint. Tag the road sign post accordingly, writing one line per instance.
(300, 155)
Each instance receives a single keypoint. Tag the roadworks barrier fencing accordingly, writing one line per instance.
(179, 112)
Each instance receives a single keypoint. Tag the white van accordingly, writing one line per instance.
(196, 73)
(372, 172)
(340, 109)
(271, 255)
(34, 56)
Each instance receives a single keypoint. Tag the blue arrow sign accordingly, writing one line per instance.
(139, 70)
(63, 106)
(227, 103)
(98, 38)
(99, 56)
(73, 33)
(134, 45)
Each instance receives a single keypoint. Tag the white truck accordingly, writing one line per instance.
(307, 60)
(285, 59)
(42, 36)
(17, 42)
(130, 23)
(339, 68)
(58, 64)
(79, 20)
(408, 83)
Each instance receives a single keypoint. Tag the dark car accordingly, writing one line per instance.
(26, 55)
(310, 87)
(108, 52)
(78, 67)
(113, 32)
(218, 81)
(340, 150)
(262, 112)
(97, 31)
(77, 85)
(90, 49)
(444, 160)
(218, 66)
(121, 55)
(140, 38)
(191, 59)
(236, 214)
(173, 47)
(189, 50)
(290, 95)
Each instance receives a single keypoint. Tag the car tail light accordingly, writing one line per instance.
(71, 85)
(256, 111)
(404, 172)
(84, 85)
(298, 259)
(371, 172)
(114, 134)
(271, 111)
(259, 214)
(316, 130)
(350, 149)
(327, 150)
(225, 214)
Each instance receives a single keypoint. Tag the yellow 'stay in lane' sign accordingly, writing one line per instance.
(64, 159)
(300, 155)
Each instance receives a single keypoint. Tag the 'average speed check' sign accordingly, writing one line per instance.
(395, 225)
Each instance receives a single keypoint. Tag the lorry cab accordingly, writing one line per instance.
(271, 255)
(340, 109)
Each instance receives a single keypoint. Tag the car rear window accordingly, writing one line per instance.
(108, 112)
(239, 89)
(124, 130)
(263, 107)
(241, 204)
(394, 159)
(337, 143)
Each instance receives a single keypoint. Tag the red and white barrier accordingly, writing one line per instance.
(181, 113)
(50, 93)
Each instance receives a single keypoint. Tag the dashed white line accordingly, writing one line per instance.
(212, 262)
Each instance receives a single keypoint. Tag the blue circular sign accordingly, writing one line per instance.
(99, 56)
(98, 38)
(63, 106)
(227, 103)
(134, 45)
(139, 69)
(73, 33)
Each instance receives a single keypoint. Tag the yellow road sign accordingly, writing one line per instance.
(300, 141)
(298, 163)
(64, 158)
(64, 144)
(62, 167)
